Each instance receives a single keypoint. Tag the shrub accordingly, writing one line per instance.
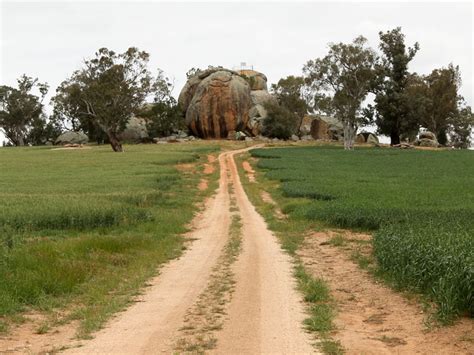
(280, 122)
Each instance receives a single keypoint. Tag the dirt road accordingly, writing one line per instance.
(265, 313)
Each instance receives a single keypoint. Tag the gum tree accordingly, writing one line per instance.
(21, 109)
(392, 102)
(340, 82)
(290, 93)
(107, 91)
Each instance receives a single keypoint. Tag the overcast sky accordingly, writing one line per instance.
(49, 40)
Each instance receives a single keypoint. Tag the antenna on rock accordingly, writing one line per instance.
(243, 66)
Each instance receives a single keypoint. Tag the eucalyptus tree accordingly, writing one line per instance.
(340, 82)
(392, 108)
(290, 93)
(21, 109)
(107, 91)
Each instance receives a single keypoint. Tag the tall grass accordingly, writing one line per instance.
(89, 226)
(419, 203)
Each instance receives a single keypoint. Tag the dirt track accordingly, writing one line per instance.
(265, 314)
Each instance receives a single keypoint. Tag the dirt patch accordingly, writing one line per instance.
(211, 158)
(203, 184)
(249, 171)
(373, 319)
(35, 336)
(206, 317)
(72, 148)
(267, 198)
(185, 167)
(208, 169)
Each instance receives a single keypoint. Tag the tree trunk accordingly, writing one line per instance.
(114, 141)
(20, 141)
(394, 137)
(349, 135)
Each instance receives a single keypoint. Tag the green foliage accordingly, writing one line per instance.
(435, 103)
(21, 110)
(392, 101)
(107, 91)
(280, 122)
(340, 82)
(72, 231)
(164, 118)
(290, 93)
(422, 214)
(461, 128)
(435, 258)
(43, 131)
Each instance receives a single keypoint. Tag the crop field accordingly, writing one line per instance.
(419, 204)
(88, 227)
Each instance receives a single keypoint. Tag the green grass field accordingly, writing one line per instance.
(420, 205)
(86, 228)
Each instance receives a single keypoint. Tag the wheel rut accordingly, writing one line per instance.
(264, 313)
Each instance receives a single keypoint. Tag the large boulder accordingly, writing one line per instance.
(256, 80)
(71, 137)
(427, 139)
(322, 127)
(135, 130)
(427, 135)
(425, 142)
(367, 137)
(258, 113)
(216, 102)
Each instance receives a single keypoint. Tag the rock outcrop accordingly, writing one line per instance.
(72, 137)
(135, 130)
(216, 101)
(322, 127)
(427, 139)
(219, 101)
(256, 80)
(367, 137)
(258, 113)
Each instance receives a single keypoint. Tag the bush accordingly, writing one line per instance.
(280, 122)
(165, 118)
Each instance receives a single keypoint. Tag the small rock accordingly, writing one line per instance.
(240, 136)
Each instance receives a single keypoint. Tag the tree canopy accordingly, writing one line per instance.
(340, 82)
(20, 109)
(392, 101)
(107, 91)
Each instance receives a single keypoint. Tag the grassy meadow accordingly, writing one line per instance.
(86, 228)
(419, 204)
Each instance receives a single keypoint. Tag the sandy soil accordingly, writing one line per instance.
(203, 184)
(72, 148)
(249, 171)
(266, 312)
(373, 319)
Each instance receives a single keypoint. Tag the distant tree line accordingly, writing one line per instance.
(100, 97)
(403, 102)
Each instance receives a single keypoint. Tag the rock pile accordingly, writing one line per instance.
(427, 139)
(217, 102)
(322, 127)
(72, 137)
(367, 137)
